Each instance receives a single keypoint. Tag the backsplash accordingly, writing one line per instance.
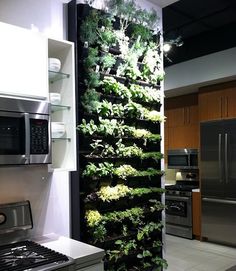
(170, 175)
(48, 194)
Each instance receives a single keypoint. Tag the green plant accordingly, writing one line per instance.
(127, 151)
(160, 263)
(139, 30)
(145, 231)
(146, 94)
(138, 192)
(108, 193)
(135, 110)
(97, 143)
(88, 28)
(107, 61)
(111, 86)
(92, 59)
(99, 233)
(123, 9)
(153, 155)
(126, 247)
(87, 128)
(90, 100)
(154, 116)
(106, 38)
(156, 205)
(115, 128)
(93, 218)
(100, 170)
(92, 79)
(125, 171)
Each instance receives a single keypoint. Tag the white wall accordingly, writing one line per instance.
(46, 16)
(190, 75)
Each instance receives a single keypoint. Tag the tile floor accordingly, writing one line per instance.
(192, 255)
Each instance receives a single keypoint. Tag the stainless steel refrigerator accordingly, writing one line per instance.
(218, 180)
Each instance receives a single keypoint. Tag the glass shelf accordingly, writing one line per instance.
(59, 107)
(55, 76)
(60, 139)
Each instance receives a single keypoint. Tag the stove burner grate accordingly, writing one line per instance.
(24, 255)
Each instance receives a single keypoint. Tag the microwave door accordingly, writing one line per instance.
(40, 139)
(180, 161)
(13, 138)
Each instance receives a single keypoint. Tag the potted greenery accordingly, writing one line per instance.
(107, 61)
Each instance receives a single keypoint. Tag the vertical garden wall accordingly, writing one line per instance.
(116, 193)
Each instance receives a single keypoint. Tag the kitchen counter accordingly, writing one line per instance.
(84, 255)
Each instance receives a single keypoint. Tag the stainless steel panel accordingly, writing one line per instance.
(211, 158)
(20, 105)
(181, 231)
(230, 159)
(219, 220)
(15, 216)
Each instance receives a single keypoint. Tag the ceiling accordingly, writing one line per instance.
(206, 26)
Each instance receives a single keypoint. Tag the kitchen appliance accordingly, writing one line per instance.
(18, 254)
(218, 180)
(182, 159)
(178, 200)
(24, 132)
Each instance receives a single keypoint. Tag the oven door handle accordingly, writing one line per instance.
(178, 198)
(173, 207)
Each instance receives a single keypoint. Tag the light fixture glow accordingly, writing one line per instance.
(166, 47)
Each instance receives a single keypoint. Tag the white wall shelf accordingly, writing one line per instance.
(64, 148)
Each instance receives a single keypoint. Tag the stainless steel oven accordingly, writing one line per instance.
(179, 207)
(24, 132)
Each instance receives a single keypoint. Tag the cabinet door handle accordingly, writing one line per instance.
(226, 106)
(184, 113)
(188, 115)
(221, 105)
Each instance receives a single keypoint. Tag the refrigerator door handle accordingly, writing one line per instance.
(220, 159)
(219, 201)
(226, 159)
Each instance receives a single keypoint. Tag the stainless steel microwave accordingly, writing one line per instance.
(24, 132)
(182, 159)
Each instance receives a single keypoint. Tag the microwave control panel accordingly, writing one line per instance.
(39, 136)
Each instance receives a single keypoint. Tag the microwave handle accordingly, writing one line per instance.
(27, 138)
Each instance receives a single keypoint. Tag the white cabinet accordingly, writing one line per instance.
(23, 62)
(64, 148)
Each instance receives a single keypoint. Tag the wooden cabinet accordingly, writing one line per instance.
(217, 101)
(181, 126)
(23, 65)
(63, 82)
(196, 211)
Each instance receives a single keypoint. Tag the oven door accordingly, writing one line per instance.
(13, 138)
(179, 210)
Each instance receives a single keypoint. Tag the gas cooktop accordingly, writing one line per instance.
(27, 255)
(24, 255)
(183, 186)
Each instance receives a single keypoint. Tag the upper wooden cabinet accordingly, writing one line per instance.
(23, 62)
(181, 126)
(217, 101)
